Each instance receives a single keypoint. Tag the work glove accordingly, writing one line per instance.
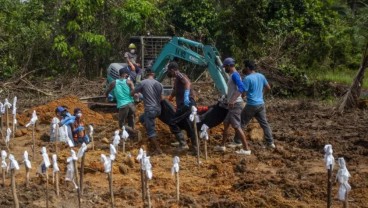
(68, 120)
(79, 129)
(186, 98)
(110, 97)
(86, 139)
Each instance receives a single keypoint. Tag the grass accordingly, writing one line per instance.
(338, 76)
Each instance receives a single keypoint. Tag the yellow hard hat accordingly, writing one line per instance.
(131, 46)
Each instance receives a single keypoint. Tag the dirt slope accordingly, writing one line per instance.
(293, 175)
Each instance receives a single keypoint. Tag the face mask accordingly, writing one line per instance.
(132, 51)
(227, 69)
(79, 115)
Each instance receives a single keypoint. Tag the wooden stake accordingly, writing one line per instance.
(123, 145)
(205, 150)
(77, 182)
(7, 117)
(1, 127)
(13, 133)
(93, 142)
(57, 139)
(27, 176)
(57, 183)
(177, 187)
(346, 205)
(143, 182)
(197, 140)
(14, 189)
(3, 173)
(148, 193)
(82, 173)
(47, 188)
(111, 190)
(329, 186)
(33, 139)
(7, 146)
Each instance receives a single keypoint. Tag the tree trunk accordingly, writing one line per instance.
(351, 97)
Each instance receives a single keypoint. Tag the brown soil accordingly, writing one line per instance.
(293, 175)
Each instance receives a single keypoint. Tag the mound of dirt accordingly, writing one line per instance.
(46, 112)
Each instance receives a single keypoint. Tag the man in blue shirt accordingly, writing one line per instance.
(235, 106)
(255, 84)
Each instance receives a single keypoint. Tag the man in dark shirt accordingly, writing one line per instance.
(184, 102)
(151, 90)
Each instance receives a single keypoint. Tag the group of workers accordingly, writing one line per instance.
(130, 86)
(74, 126)
(252, 87)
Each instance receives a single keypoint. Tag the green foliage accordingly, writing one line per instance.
(83, 36)
(198, 18)
(138, 17)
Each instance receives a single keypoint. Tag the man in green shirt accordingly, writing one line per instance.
(124, 101)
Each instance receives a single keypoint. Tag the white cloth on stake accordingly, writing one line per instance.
(329, 158)
(343, 176)
(112, 152)
(140, 154)
(13, 163)
(194, 115)
(82, 150)
(45, 157)
(175, 167)
(90, 130)
(7, 105)
(8, 135)
(2, 108)
(33, 119)
(204, 134)
(26, 160)
(4, 165)
(106, 161)
(124, 134)
(116, 139)
(54, 164)
(14, 110)
(147, 166)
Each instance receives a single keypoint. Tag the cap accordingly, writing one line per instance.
(124, 70)
(59, 109)
(228, 62)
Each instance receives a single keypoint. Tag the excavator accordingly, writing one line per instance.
(206, 56)
(156, 54)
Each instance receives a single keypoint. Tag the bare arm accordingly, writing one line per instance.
(131, 65)
(186, 82)
(266, 88)
(130, 85)
(111, 86)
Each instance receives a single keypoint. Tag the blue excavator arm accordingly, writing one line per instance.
(209, 58)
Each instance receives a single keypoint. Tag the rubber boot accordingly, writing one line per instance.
(182, 143)
(157, 149)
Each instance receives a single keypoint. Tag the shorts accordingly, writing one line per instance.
(233, 117)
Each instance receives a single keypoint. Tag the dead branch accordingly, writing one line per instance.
(34, 89)
(22, 76)
(350, 99)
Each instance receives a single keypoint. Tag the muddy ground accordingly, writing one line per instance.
(293, 175)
